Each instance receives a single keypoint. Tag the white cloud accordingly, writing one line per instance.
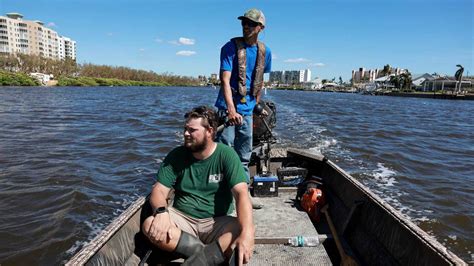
(158, 40)
(186, 41)
(183, 41)
(141, 49)
(186, 53)
(274, 56)
(110, 34)
(317, 64)
(51, 24)
(296, 60)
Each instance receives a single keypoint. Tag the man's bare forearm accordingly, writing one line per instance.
(159, 195)
(244, 212)
(226, 89)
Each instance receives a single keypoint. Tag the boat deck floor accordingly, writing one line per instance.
(279, 218)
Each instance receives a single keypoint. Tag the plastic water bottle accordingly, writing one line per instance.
(303, 241)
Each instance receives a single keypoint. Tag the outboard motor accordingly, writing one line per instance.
(263, 125)
(262, 136)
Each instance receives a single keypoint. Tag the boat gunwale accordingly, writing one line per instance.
(92, 247)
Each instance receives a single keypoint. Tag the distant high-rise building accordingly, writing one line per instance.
(66, 48)
(306, 75)
(291, 76)
(33, 38)
(276, 76)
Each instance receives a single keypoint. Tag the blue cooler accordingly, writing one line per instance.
(265, 186)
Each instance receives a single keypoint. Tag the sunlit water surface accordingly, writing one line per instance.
(72, 159)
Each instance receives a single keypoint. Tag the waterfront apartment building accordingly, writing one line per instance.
(276, 76)
(33, 38)
(306, 75)
(362, 75)
(290, 76)
(66, 48)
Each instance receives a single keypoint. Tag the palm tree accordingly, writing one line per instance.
(387, 70)
(406, 78)
(458, 77)
(396, 81)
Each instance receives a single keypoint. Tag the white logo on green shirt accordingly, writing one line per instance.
(215, 178)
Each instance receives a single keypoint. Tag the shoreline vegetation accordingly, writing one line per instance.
(16, 70)
(17, 79)
(9, 79)
(109, 82)
(397, 93)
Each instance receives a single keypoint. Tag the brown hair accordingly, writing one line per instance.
(208, 115)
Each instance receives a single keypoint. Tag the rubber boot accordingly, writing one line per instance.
(210, 255)
(234, 258)
(188, 245)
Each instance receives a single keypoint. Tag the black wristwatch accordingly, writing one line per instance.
(160, 210)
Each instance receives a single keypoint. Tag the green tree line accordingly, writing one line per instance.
(69, 72)
(90, 82)
(16, 79)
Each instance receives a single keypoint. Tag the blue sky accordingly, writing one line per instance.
(329, 37)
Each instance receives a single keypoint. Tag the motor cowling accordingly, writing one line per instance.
(262, 133)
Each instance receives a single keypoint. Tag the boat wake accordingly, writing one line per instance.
(384, 176)
(383, 181)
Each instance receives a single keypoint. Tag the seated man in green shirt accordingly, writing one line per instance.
(206, 177)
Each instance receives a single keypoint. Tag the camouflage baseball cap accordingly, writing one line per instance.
(254, 15)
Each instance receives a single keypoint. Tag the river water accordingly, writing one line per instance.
(72, 159)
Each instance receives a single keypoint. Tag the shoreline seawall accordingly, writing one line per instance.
(429, 95)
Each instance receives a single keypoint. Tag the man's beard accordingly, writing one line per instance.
(247, 35)
(197, 146)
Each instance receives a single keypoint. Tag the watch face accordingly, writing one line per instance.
(160, 210)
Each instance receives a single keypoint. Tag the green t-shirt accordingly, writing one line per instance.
(202, 187)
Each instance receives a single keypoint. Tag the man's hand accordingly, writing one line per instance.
(234, 118)
(245, 245)
(160, 228)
